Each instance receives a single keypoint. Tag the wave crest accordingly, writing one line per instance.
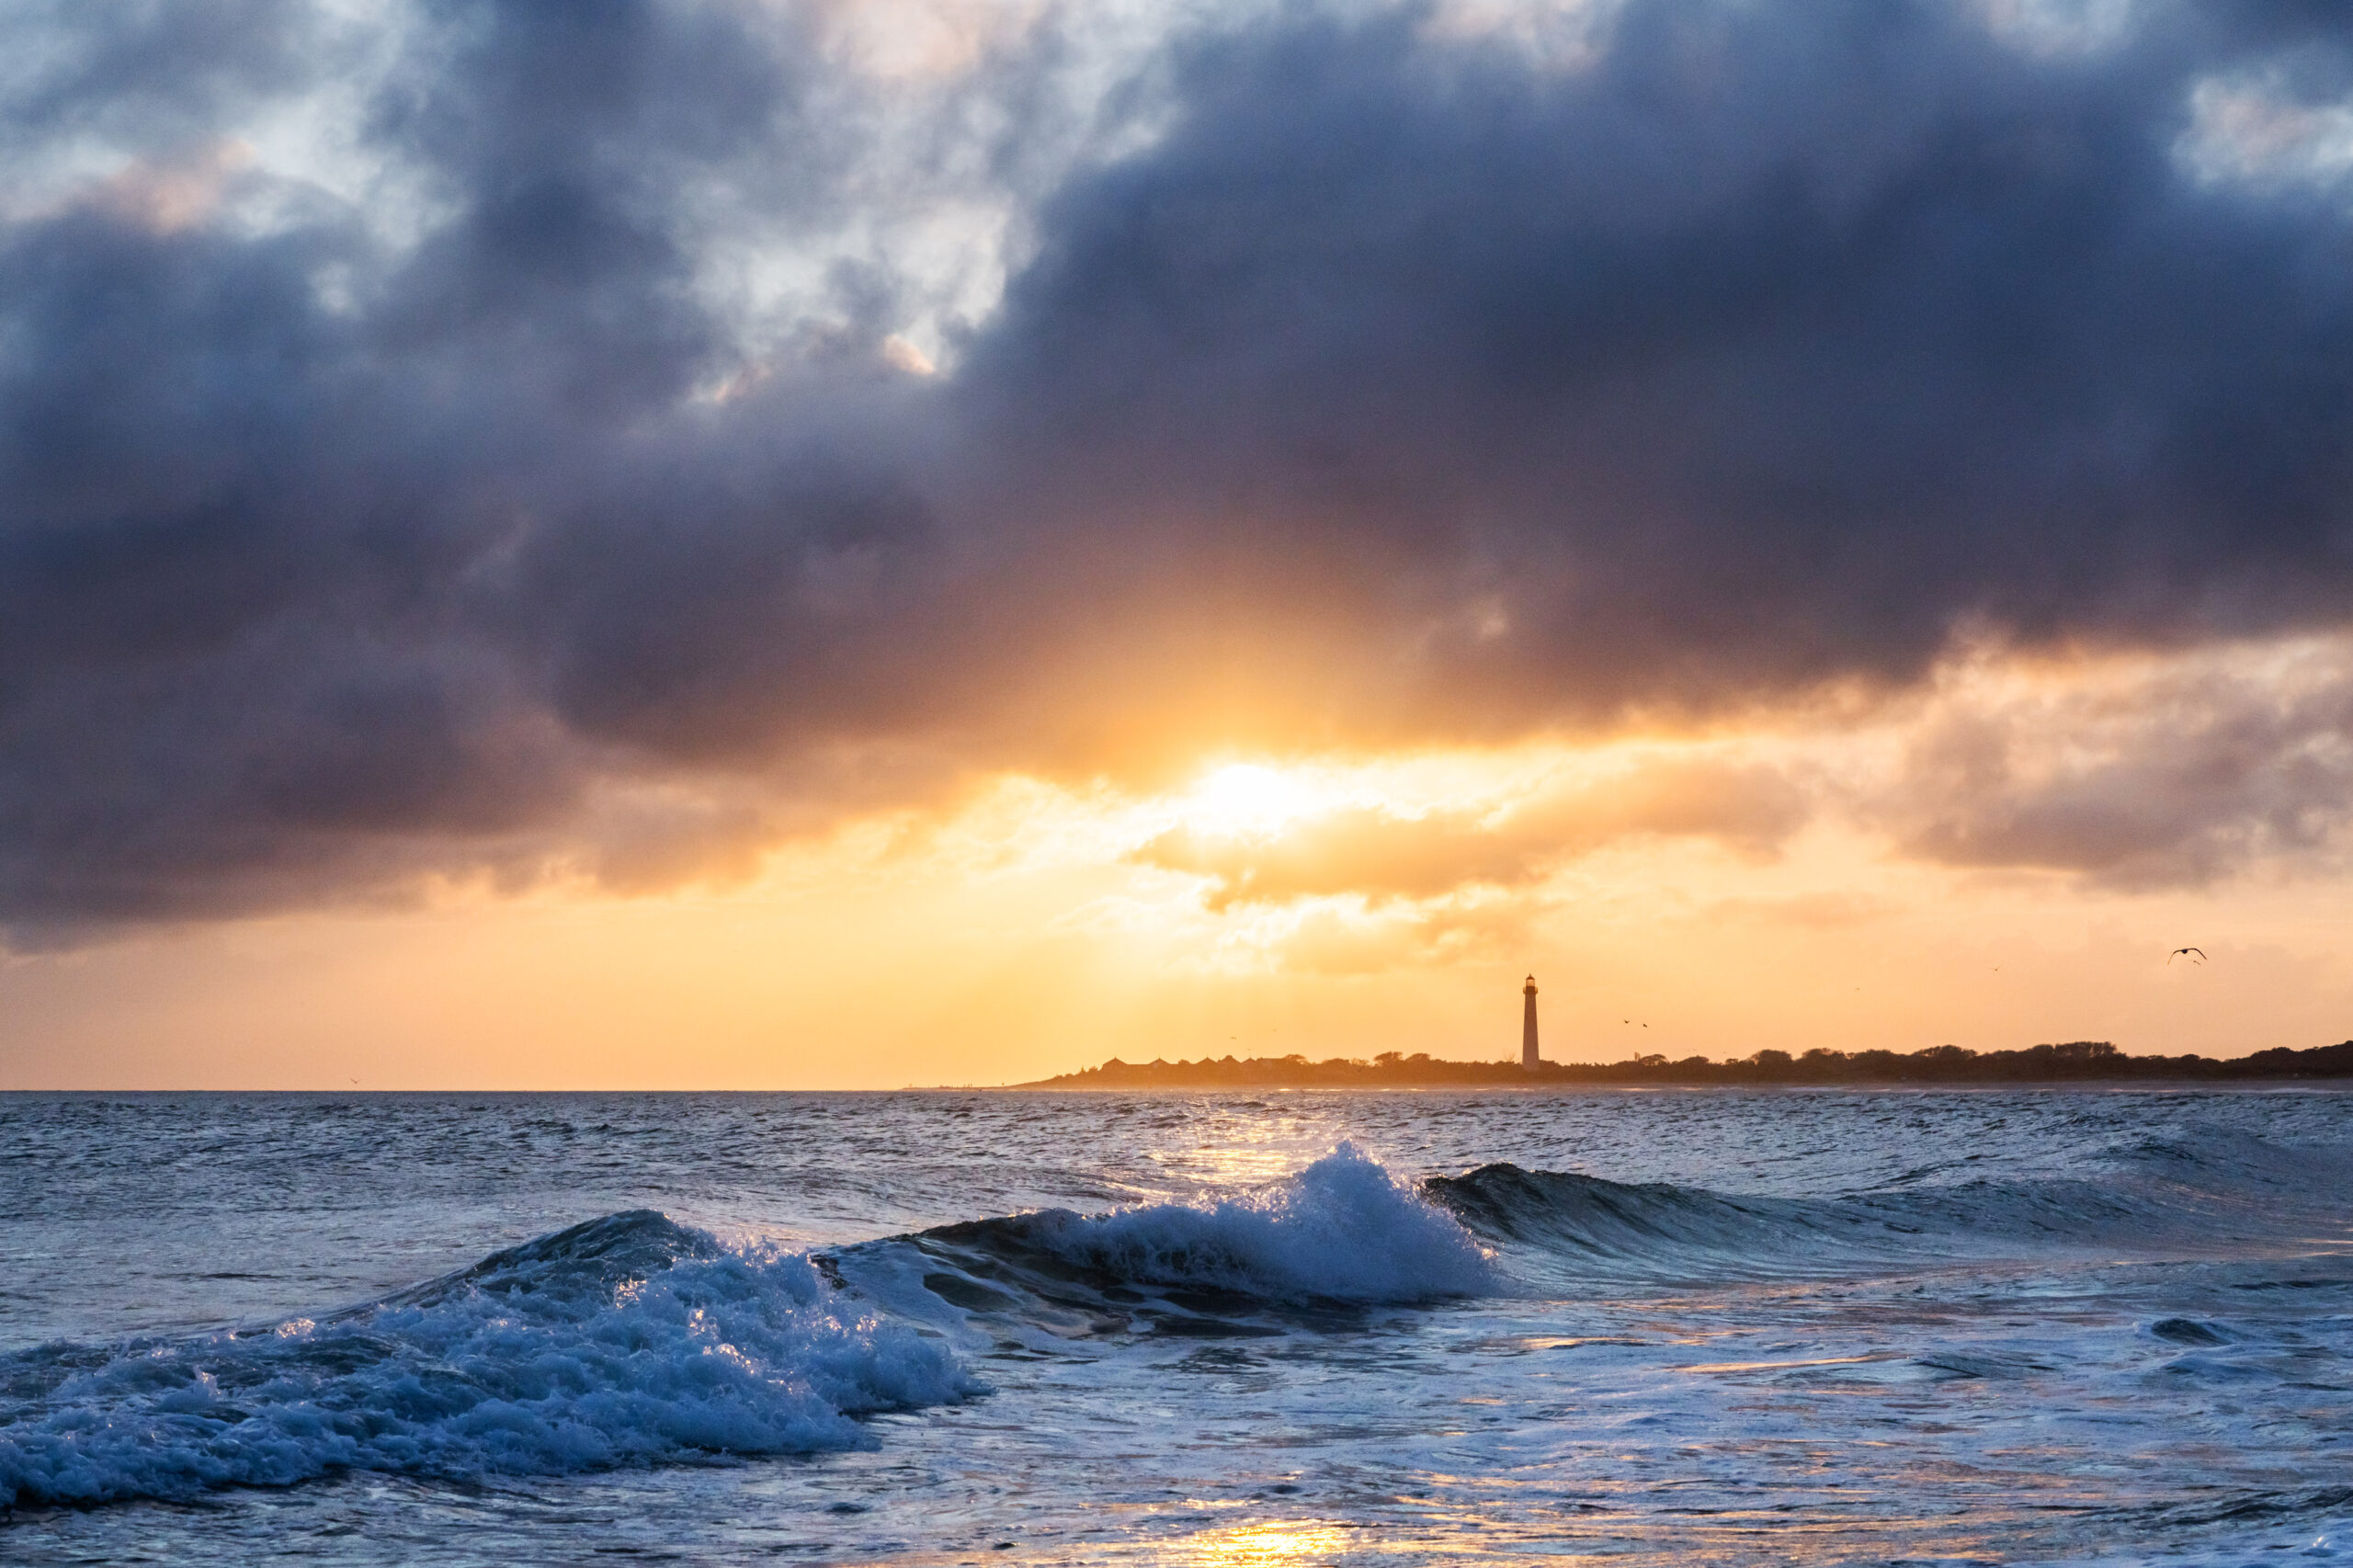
(2210, 1193)
(1343, 1230)
(629, 1340)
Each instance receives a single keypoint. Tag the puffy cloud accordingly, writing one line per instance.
(2165, 776)
(1356, 378)
(1334, 940)
(153, 73)
(1765, 348)
(1380, 854)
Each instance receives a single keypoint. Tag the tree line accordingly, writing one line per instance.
(2080, 1061)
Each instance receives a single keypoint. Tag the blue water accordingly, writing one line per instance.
(1679, 1326)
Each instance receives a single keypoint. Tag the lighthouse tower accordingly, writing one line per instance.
(1528, 1058)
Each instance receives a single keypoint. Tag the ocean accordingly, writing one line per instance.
(1670, 1326)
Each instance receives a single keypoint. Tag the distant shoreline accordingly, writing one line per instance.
(2077, 1062)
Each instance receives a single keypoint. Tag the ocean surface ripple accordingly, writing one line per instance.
(2040, 1327)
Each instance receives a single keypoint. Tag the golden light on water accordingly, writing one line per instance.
(1270, 1544)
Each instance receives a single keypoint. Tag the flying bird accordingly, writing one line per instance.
(2179, 951)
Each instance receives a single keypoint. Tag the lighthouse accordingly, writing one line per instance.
(1528, 1058)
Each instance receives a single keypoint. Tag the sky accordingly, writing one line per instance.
(855, 543)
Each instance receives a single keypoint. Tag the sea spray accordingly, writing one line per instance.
(1341, 1230)
(1196, 1361)
(628, 1340)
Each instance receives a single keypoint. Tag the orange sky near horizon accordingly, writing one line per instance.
(1712, 892)
(861, 543)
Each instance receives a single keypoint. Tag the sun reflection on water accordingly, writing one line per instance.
(1253, 1154)
(1266, 1544)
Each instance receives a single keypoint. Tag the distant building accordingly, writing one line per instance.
(1527, 1057)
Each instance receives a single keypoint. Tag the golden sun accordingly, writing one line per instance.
(1249, 799)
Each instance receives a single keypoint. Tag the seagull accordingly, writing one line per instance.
(2179, 951)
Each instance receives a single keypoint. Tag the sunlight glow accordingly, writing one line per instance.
(1265, 1545)
(1341, 903)
(1248, 799)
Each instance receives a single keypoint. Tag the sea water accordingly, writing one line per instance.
(1678, 1326)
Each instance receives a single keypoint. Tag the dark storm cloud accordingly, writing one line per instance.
(324, 561)
(1767, 348)
(152, 69)
(1404, 385)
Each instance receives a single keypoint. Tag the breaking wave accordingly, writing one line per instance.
(633, 1339)
(627, 1340)
(636, 1340)
(1342, 1233)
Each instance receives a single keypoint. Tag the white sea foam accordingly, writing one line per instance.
(2036, 1328)
(1344, 1229)
(629, 1340)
